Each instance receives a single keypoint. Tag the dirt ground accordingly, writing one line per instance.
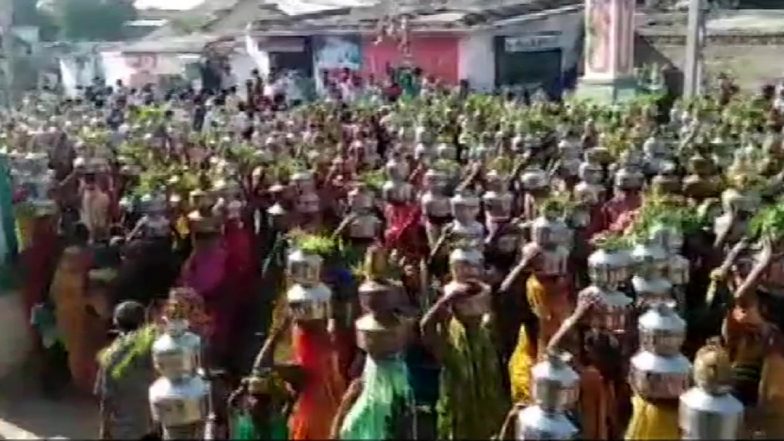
(24, 410)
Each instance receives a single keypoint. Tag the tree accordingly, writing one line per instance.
(92, 19)
(26, 13)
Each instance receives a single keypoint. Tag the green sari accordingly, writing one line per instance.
(8, 242)
(385, 406)
(243, 428)
(472, 403)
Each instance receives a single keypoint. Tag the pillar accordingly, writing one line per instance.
(609, 51)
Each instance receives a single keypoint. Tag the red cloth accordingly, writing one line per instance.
(405, 232)
(618, 206)
(39, 261)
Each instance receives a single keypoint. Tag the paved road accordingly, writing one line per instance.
(26, 414)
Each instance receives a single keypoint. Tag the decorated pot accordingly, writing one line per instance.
(555, 385)
(498, 205)
(397, 191)
(360, 199)
(611, 312)
(591, 173)
(474, 305)
(544, 231)
(304, 268)
(472, 233)
(659, 377)
(436, 205)
(375, 297)
(182, 402)
(651, 290)
(678, 270)
(609, 268)
(177, 353)
(381, 338)
(703, 415)
(435, 180)
(662, 330)
(466, 264)
(554, 261)
(534, 179)
(397, 169)
(668, 237)
(628, 179)
(534, 423)
(365, 226)
(465, 207)
(649, 259)
(588, 193)
(308, 303)
(303, 181)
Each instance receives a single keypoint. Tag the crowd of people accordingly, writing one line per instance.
(401, 267)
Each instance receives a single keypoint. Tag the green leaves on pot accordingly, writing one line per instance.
(769, 221)
(610, 241)
(373, 179)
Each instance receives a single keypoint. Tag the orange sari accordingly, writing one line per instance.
(324, 387)
(68, 291)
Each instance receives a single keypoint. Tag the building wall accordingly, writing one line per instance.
(435, 55)
(334, 53)
(752, 63)
(477, 50)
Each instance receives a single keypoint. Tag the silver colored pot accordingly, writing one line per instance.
(662, 330)
(436, 205)
(613, 311)
(306, 303)
(498, 205)
(703, 415)
(652, 290)
(397, 191)
(534, 423)
(678, 270)
(555, 385)
(177, 353)
(465, 207)
(380, 339)
(365, 226)
(472, 233)
(304, 268)
(609, 268)
(659, 377)
(179, 402)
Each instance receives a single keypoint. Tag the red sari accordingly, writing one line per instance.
(40, 262)
(323, 389)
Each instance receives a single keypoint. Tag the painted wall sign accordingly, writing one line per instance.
(338, 53)
(281, 44)
(609, 38)
(437, 56)
(533, 42)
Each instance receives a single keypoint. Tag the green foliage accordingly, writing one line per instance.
(658, 210)
(92, 20)
(374, 179)
(769, 221)
(135, 345)
(609, 241)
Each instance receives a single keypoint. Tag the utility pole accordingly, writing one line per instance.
(695, 43)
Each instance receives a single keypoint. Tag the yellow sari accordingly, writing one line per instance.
(652, 421)
(551, 306)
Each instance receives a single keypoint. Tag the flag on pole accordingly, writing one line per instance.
(260, 57)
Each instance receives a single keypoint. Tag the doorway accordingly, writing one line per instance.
(529, 69)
